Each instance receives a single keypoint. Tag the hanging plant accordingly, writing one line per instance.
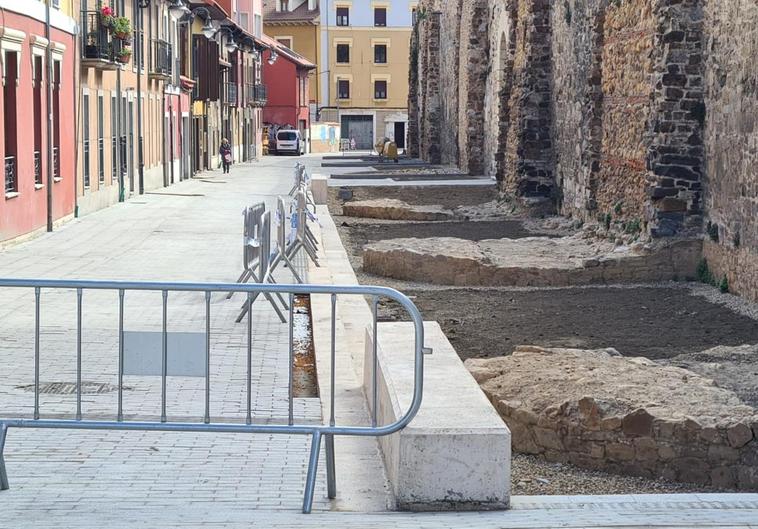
(122, 28)
(124, 55)
(107, 17)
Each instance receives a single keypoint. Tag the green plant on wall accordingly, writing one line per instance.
(724, 285)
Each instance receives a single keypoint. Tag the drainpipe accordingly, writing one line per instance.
(140, 139)
(49, 64)
(77, 109)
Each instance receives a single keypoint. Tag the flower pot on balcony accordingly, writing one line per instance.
(107, 17)
(124, 56)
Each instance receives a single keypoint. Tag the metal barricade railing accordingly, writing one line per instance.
(250, 423)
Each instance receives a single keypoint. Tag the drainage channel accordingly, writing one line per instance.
(304, 372)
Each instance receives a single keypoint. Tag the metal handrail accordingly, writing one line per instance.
(317, 431)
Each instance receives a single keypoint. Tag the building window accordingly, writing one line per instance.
(343, 53)
(37, 103)
(100, 140)
(258, 26)
(380, 89)
(380, 16)
(285, 41)
(343, 16)
(85, 138)
(56, 120)
(380, 54)
(343, 89)
(303, 87)
(285, 5)
(9, 121)
(114, 140)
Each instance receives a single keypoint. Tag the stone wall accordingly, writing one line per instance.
(528, 164)
(627, 93)
(731, 142)
(502, 46)
(577, 102)
(450, 50)
(475, 62)
(568, 406)
(638, 114)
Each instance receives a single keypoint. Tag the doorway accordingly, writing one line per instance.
(400, 134)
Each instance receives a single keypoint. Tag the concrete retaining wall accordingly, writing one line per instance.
(456, 453)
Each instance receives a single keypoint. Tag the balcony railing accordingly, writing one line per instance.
(161, 63)
(98, 48)
(230, 94)
(10, 174)
(38, 168)
(56, 163)
(260, 97)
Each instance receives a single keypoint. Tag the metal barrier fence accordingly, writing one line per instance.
(117, 421)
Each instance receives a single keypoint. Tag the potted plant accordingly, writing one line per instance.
(107, 17)
(124, 55)
(122, 28)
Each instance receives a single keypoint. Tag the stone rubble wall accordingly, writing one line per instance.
(731, 142)
(568, 406)
(475, 61)
(577, 102)
(528, 165)
(638, 114)
(627, 94)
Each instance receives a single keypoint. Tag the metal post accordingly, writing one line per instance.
(331, 471)
(207, 357)
(139, 59)
(78, 354)
(310, 480)
(120, 416)
(249, 419)
(164, 359)
(3, 473)
(36, 352)
(291, 360)
(334, 361)
(375, 367)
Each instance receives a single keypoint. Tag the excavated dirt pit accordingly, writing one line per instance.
(670, 321)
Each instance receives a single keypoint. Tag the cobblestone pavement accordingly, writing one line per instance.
(84, 479)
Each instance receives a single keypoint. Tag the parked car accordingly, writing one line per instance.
(290, 141)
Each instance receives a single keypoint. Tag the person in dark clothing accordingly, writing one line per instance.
(226, 154)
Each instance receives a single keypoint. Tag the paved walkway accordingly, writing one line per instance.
(189, 232)
(62, 479)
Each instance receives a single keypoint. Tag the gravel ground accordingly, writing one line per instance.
(531, 475)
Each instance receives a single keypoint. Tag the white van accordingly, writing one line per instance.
(290, 141)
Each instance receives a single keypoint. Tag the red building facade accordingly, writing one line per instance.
(286, 75)
(39, 157)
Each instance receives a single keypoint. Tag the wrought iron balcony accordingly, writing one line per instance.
(10, 174)
(260, 97)
(160, 67)
(230, 94)
(98, 47)
(38, 168)
(56, 163)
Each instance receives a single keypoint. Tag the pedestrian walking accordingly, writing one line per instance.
(226, 154)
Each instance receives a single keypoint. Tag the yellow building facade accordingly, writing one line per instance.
(366, 51)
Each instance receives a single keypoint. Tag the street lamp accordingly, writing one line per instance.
(177, 9)
(230, 45)
(273, 57)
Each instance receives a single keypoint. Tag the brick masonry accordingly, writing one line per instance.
(638, 113)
